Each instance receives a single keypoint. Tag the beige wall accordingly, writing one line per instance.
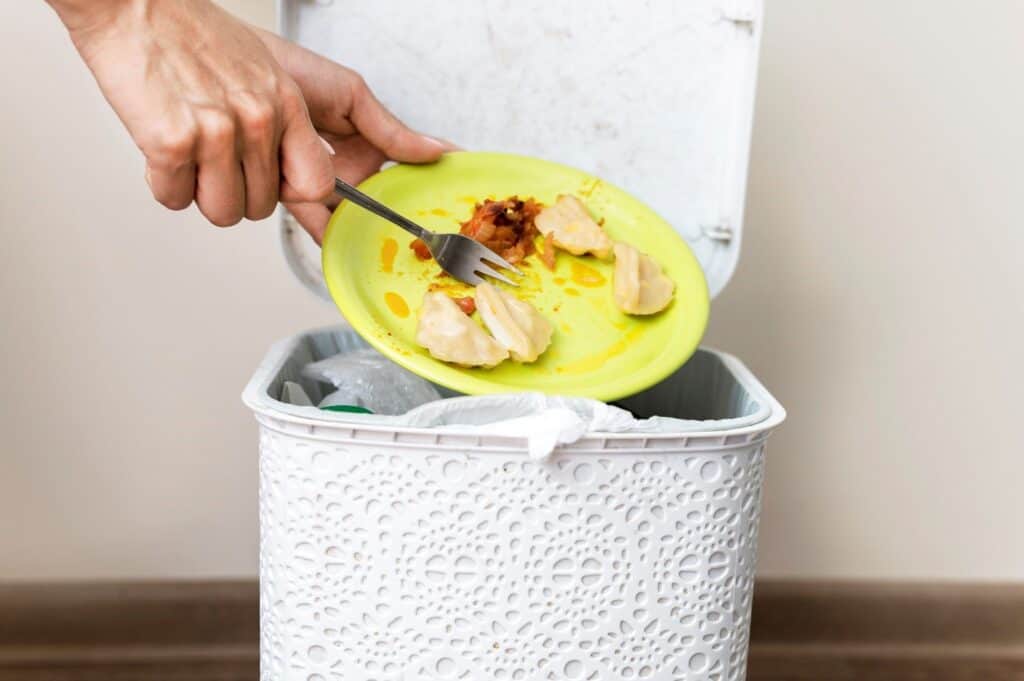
(880, 297)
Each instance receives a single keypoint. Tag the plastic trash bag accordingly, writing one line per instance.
(292, 393)
(365, 378)
(545, 421)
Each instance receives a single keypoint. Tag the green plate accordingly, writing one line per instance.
(597, 351)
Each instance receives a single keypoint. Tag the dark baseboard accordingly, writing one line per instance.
(208, 631)
(147, 631)
(887, 632)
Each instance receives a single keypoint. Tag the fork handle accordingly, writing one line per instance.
(347, 191)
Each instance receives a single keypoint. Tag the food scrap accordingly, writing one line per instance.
(511, 327)
(547, 256)
(514, 323)
(466, 304)
(452, 336)
(516, 328)
(573, 229)
(641, 287)
(420, 249)
(506, 227)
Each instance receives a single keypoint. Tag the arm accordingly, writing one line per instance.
(226, 115)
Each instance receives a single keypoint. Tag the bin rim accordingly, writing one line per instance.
(256, 397)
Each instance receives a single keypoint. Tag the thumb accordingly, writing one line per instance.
(341, 103)
(383, 130)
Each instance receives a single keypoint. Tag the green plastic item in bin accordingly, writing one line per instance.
(348, 409)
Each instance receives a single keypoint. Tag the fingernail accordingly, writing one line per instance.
(327, 146)
(444, 144)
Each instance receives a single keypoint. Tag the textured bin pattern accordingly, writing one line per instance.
(383, 563)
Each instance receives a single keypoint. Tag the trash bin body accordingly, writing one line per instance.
(416, 554)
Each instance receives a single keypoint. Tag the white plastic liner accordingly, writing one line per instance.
(712, 392)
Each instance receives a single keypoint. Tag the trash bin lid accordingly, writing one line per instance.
(658, 100)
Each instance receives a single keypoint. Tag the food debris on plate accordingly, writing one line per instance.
(451, 336)
(641, 288)
(513, 328)
(517, 329)
(547, 256)
(466, 304)
(572, 229)
(514, 323)
(506, 227)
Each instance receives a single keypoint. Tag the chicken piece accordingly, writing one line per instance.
(451, 336)
(514, 323)
(640, 287)
(572, 228)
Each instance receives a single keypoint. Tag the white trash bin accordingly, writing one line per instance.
(400, 554)
(404, 553)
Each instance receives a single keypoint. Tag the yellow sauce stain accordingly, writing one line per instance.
(566, 328)
(530, 281)
(451, 288)
(396, 304)
(471, 200)
(589, 187)
(585, 275)
(571, 292)
(559, 281)
(440, 212)
(594, 362)
(388, 251)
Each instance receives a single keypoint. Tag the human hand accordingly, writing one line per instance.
(361, 132)
(218, 119)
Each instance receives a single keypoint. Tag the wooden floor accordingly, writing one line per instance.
(801, 631)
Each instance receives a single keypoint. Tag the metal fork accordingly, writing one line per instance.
(457, 254)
